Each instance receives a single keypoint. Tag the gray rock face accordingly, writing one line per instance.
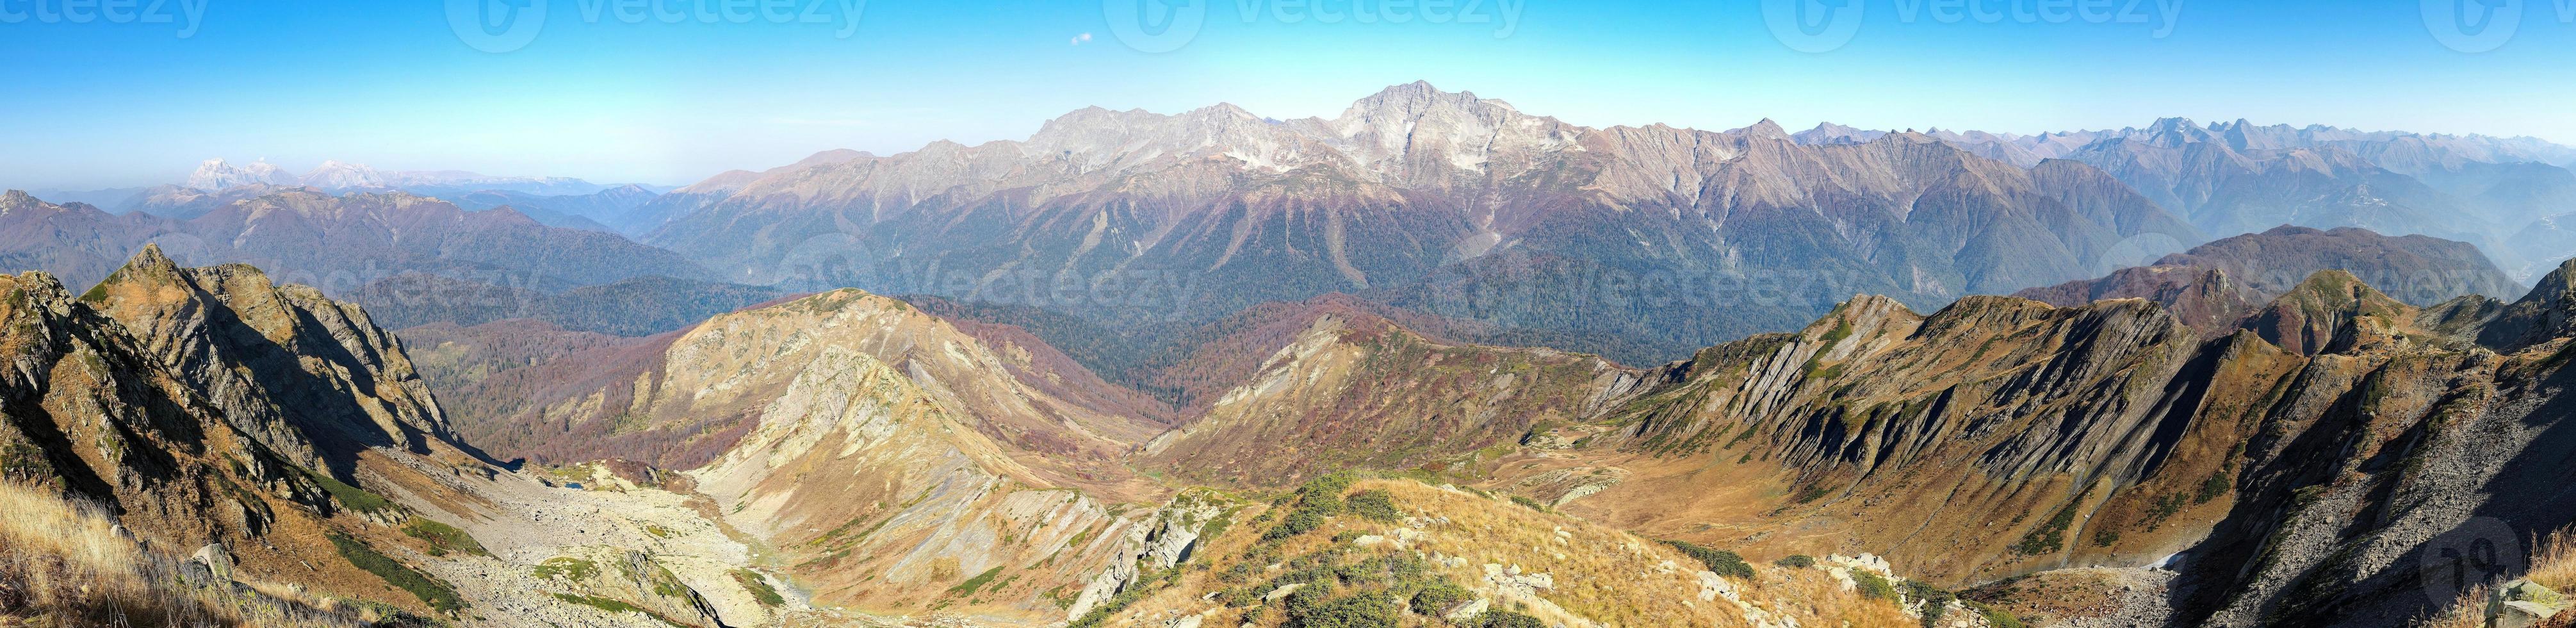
(2325, 486)
(314, 379)
(1162, 542)
(217, 561)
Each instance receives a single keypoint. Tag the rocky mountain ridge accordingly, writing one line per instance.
(1449, 201)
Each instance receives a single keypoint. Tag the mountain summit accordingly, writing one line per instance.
(1419, 195)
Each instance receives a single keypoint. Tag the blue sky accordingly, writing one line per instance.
(117, 101)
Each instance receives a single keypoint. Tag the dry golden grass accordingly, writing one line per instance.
(2553, 565)
(2469, 611)
(2553, 560)
(1601, 575)
(63, 563)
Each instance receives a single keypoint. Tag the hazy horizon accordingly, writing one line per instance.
(669, 92)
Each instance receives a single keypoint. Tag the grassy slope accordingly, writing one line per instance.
(1600, 574)
(65, 563)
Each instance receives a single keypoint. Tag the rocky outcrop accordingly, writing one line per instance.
(2309, 317)
(2319, 467)
(313, 378)
(1167, 538)
(2542, 316)
(95, 410)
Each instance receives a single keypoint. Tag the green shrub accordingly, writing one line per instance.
(443, 538)
(2218, 484)
(1796, 561)
(968, 587)
(1297, 523)
(1872, 585)
(1358, 611)
(570, 568)
(1531, 504)
(600, 603)
(1322, 488)
(438, 595)
(1376, 506)
(1305, 600)
(1437, 596)
(351, 497)
(1720, 562)
(1997, 617)
(760, 589)
(1936, 601)
(2050, 536)
(1507, 619)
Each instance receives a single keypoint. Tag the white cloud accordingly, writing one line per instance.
(1082, 39)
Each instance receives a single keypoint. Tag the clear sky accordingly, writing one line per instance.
(100, 100)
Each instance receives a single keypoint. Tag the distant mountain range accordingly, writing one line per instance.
(612, 210)
(333, 242)
(1454, 204)
(2503, 194)
(556, 201)
(1637, 243)
(217, 174)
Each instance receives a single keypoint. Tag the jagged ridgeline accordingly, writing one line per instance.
(2312, 460)
(285, 447)
(200, 446)
(2311, 467)
(215, 413)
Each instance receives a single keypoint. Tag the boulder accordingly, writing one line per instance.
(1275, 594)
(1462, 611)
(2523, 614)
(1712, 586)
(218, 561)
(2523, 604)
